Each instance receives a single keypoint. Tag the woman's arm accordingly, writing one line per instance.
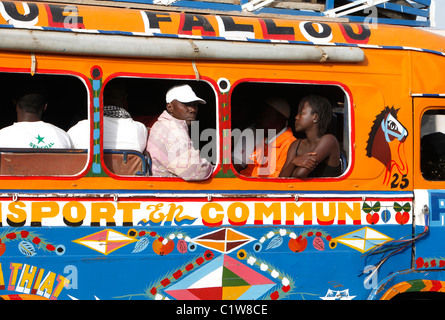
(293, 161)
(325, 149)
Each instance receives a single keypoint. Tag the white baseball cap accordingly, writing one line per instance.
(184, 94)
(280, 105)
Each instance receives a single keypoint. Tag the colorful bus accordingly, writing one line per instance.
(95, 223)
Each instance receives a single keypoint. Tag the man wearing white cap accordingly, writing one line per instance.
(169, 143)
(269, 156)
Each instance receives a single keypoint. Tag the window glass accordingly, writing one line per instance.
(177, 149)
(264, 130)
(432, 145)
(37, 111)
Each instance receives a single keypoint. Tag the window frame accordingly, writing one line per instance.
(349, 120)
(422, 134)
(422, 105)
(211, 87)
(89, 112)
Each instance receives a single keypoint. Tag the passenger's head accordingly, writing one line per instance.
(321, 110)
(32, 102)
(182, 103)
(274, 114)
(115, 93)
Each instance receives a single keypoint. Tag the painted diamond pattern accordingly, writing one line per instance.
(363, 239)
(223, 240)
(105, 241)
(224, 278)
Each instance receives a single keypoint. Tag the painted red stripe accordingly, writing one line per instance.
(436, 285)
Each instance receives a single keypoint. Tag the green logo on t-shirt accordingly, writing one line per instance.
(40, 140)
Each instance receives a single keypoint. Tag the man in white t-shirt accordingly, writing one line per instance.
(120, 130)
(30, 131)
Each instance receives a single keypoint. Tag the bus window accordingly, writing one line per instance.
(37, 111)
(140, 102)
(432, 145)
(263, 114)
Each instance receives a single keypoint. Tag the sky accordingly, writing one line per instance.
(440, 14)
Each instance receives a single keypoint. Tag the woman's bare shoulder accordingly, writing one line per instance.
(329, 138)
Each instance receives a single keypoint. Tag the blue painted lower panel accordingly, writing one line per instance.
(196, 262)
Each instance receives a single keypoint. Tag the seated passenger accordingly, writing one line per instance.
(169, 143)
(243, 146)
(318, 154)
(268, 157)
(120, 130)
(30, 131)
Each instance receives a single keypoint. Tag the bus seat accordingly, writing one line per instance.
(68, 162)
(149, 163)
(42, 162)
(343, 162)
(125, 162)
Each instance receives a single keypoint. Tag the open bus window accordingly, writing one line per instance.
(131, 108)
(36, 113)
(432, 145)
(263, 119)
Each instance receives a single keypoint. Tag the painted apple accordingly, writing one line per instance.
(298, 245)
(163, 248)
(402, 217)
(372, 218)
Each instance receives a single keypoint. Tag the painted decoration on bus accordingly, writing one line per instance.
(386, 144)
(437, 208)
(192, 249)
(30, 282)
(210, 214)
(209, 273)
(221, 264)
(140, 22)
